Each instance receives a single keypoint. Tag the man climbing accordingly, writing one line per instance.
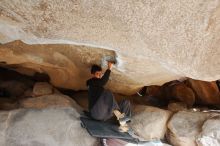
(102, 104)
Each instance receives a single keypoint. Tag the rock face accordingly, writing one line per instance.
(42, 88)
(210, 134)
(184, 127)
(176, 90)
(189, 91)
(53, 100)
(177, 106)
(13, 88)
(171, 91)
(119, 142)
(82, 99)
(206, 92)
(183, 93)
(46, 127)
(150, 123)
(154, 41)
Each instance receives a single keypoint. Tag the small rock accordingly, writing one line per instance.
(150, 122)
(42, 88)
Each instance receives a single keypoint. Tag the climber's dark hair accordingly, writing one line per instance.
(95, 68)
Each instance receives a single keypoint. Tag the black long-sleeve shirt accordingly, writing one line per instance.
(95, 87)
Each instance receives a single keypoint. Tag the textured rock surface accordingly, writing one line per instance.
(184, 127)
(205, 92)
(177, 106)
(210, 135)
(155, 41)
(53, 100)
(42, 88)
(47, 127)
(150, 122)
(176, 90)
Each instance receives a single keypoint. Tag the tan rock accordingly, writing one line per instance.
(206, 92)
(210, 135)
(150, 122)
(42, 88)
(154, 41)
(53, 100)
(177, 106)
(184, 128)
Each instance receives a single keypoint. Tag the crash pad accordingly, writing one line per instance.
(102, 129)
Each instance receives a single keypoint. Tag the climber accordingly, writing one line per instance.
(102, 104)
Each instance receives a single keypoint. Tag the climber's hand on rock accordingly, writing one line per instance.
(110, 64)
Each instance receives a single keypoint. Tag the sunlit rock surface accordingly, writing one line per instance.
(149, 122)
(154, 41)
(50, 127)
(184, 128)
(210, 134)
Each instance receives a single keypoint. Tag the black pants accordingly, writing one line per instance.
(106, 104)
